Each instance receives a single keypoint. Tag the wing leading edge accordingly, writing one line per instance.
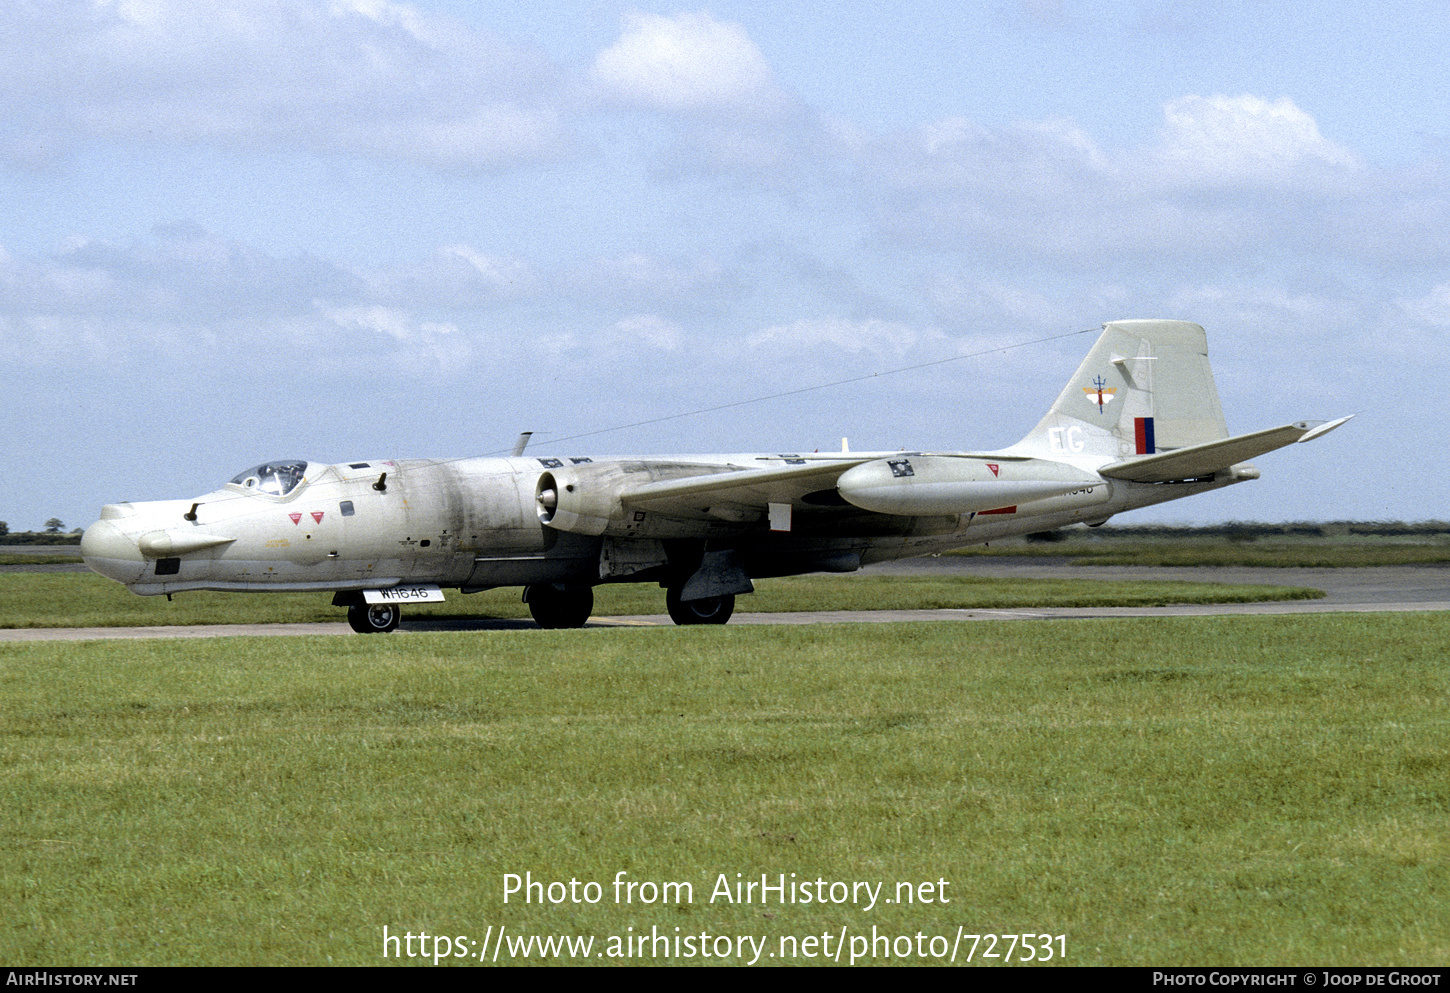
(741, 488)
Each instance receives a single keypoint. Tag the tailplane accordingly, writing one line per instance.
(1145, 388)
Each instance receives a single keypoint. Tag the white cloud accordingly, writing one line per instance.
(688, 62)
(1019, 304)
(665, 281)
(352, 77)
(1226, 179)
(505, 275)
(185, 295)
(1266, 304)
(1228, 139)
(837, 335)
(1206, 143)
(651, 329)
(421, 347)
(1433, 308)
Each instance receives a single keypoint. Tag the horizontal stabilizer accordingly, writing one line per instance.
(1198, 461)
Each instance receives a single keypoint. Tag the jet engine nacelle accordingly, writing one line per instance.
(915, 485)
(581, 499)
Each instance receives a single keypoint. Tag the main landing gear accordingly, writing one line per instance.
(551, 607)
(711, 610)
(570, 607)
(559, 608)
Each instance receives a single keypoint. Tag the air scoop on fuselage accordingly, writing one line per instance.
(160, 544)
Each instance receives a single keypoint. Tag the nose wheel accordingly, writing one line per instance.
(373, 618)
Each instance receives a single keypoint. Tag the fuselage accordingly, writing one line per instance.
(478, 523)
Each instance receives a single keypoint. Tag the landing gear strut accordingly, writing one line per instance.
(710, 610)
(374, 618)
(556, 608)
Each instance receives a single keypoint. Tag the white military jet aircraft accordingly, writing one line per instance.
(1138, 424)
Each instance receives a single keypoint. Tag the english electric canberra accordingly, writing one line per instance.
(1139, 423)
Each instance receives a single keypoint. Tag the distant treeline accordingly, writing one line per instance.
(1254, 531)
(40, 538)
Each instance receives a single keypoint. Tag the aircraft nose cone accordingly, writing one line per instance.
(111, 553)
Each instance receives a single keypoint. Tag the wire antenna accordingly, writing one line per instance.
(811, 389)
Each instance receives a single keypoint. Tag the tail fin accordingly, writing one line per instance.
(1145, 387)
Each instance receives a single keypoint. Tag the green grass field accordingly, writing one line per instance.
(29, 558)
(1168, 791)
(85, 600)
(1305, 546)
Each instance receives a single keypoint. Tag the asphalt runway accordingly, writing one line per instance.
(1372, 590)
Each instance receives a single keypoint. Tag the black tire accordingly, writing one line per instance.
(555, 609)
(711, 610)
(374, 618)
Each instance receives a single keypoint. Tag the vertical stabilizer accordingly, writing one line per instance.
(1145, 387)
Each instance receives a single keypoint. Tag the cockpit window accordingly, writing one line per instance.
(276, 478)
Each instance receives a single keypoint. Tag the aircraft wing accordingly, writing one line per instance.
(719, 493)
(1197, 461)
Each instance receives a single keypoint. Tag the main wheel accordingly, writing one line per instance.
(711, 610)
(555, 608)
(374, 618)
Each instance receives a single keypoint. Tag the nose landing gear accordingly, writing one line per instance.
(374, 618)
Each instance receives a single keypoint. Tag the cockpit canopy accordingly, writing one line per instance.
(275, 478)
